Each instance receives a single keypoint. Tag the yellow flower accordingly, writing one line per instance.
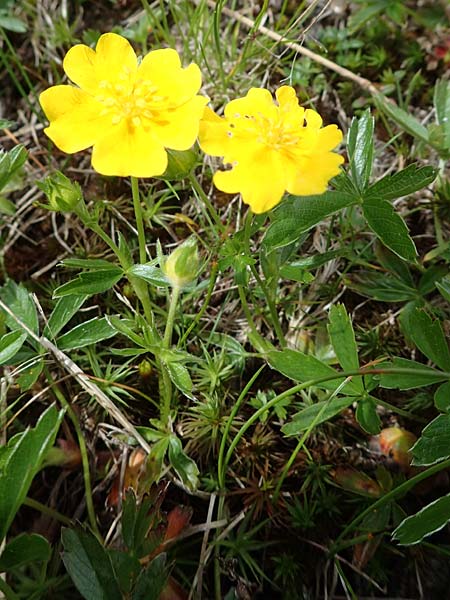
(128, 111)
(272, 148)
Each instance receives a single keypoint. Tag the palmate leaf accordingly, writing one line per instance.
(304, 367)
(360, 149)
(298, 214)
(389, 227)
(402, 183)
(428, 520)
(21, 460)
(434, 443)
(442, 106)
(316, 414)
(429, 337)
(89, 566)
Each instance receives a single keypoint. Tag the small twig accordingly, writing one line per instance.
(198, 579)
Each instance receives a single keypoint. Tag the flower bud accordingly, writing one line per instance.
(181, 266)
(62, 194)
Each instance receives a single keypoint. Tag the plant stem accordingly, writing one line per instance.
(303, 439)
(311, 383)
(9, 594)
(166, 387)
(201, 312)
(270, 303)
(46, 510)
(139, 220)
(167, 339)
(84, 457)
(257, 337)
(220, 463)
(207, 202)
(402, 488)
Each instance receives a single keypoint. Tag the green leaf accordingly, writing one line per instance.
(184, 466)
(136, 520)
(29, 375)
(367, 416)
(92, 331)
(21, 460)
(394, 264)
(7, 207)
(10, 344)
(152, 580)
(10, 163)
(442, 106)
(360, 149)
(407, 381)
(428, 520)
(342, 338)
(304, 367)
(125, 327)
(317, 413)
(406, 121)
(298, 214)
(66, 307)
(296, 273)
(20, 302)
(317, 260)
(429, 337)
(13, 24)
(434, 443)
(91, 282)
(149, 273)
(389, 227)
(180, 377)
(89, 566)
(93, 264)
(383, 287)
(444, 287)
(402, 183)
(24, 549)
(442, 397)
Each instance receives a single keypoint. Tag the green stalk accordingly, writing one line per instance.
(207, 202)
(258, 339)
(7, 591)
(205, 304)
(401, 489)
(268, 296)
(84, 457)
(220, 463)
(166, 343)
(139, 220)
(311, 383)
(46, 510)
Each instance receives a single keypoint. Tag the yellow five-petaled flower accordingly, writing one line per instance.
(129, 112)
(271, 148)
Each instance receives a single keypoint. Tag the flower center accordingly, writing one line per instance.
(275, 133)
(135, 101)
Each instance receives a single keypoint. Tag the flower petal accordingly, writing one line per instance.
(129, 151)
(313, 174)
(213, 133)
(260, 181)
(162, 68)
(113, 60)
(329, 137)
(75, 121)
(258, 101)
(180, 130)
(79, 66)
